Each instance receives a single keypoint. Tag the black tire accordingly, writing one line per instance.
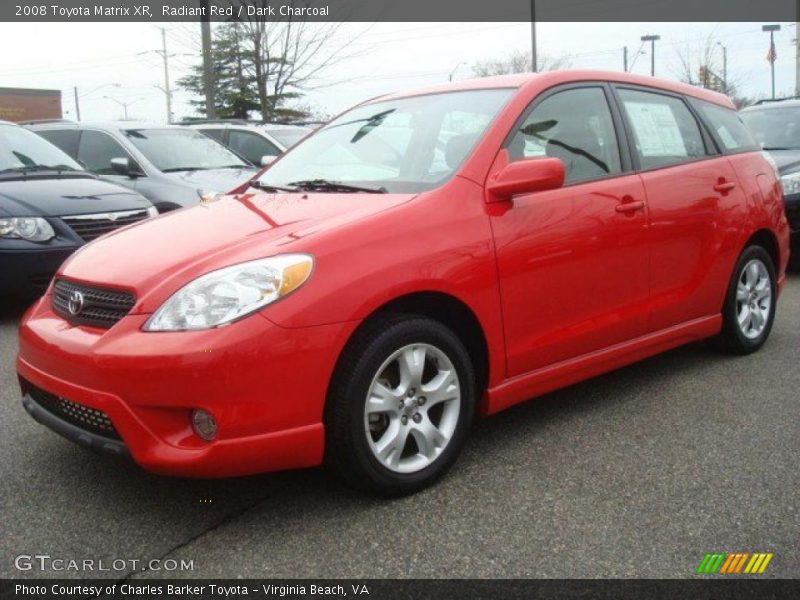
(347, 450)
(732, 339)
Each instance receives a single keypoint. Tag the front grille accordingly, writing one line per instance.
(89, 419)
(100, 307)
(91, 227)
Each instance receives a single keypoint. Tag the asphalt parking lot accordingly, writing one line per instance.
(637, 473)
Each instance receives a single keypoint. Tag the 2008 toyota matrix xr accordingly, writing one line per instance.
(423, 258)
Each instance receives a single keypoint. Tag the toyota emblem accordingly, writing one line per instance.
(75, 305)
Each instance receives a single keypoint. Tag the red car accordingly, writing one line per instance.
(423, 258)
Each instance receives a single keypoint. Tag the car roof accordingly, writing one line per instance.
(106, 125)
(772, 104)
(235, 124)
(552, 78)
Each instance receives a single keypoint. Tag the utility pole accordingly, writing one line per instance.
(625, 57)
(652, 39)
(534, 60)
(77, 104)
(771, 57)
(208, 63)
(724, 67)
(167, 90)
(797, 52)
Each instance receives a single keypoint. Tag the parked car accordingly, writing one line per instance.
(776, 127)
(260, 144)
(49, 207)
(171, 166)
(530, 231)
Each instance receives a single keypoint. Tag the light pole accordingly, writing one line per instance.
(652, 39)
(92, 91)
(771, 57)
(124, 105)
(534, 59)
(453, 72)
(724, 67)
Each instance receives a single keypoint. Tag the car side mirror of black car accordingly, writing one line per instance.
(125, 166)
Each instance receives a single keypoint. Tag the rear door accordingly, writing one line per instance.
(572, 262)
(691, 188)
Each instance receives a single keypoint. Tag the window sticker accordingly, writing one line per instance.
(656, 129)
(726, 137)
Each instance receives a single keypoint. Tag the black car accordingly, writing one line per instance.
(50, 206)
(776, 127)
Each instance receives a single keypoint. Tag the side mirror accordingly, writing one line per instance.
(125, 166)
(524, 177)
(267, 160)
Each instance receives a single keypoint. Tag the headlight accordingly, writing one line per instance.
(207, 196)
(791, 183)
(220, 297)
(152, 211)
(33, 229)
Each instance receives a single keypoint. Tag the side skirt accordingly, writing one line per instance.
(544, 380)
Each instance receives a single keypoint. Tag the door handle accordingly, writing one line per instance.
(629, 206)
(724, 187)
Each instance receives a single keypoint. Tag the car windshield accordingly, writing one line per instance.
(172, 150)
(22, 150)
(775, 128)
(289, 137)
(404, 145)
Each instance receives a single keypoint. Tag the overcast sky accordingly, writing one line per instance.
(391, 56)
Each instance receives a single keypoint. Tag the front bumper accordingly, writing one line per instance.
(265, 385)
(26, 272)
(792, 203)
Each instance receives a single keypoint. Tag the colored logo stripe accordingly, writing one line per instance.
(727, 564)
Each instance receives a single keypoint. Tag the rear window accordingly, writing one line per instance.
(727, 127)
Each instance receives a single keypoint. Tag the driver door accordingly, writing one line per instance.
(572, 262)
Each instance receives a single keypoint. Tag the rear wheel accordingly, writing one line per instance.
(749, 309)
(400, 405)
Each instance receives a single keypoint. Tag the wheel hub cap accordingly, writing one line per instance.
(753, 299)
(412, 408)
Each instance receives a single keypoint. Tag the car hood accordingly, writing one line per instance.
(214, 180)
(156, 257)
(55, 197)
(788, 161)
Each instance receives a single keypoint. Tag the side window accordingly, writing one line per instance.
(65, 139)
(727, 126)
(250, 145)
(216, 133)
(576, 126)
(96, 150)
(665, 131)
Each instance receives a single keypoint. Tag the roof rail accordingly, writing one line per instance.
(37, 121)
(768, 100)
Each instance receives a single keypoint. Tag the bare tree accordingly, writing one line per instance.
(288, 55)
(701, 64)
(519, 62)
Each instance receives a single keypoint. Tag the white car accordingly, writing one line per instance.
(258, 143)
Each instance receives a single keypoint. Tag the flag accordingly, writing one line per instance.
(772, 56)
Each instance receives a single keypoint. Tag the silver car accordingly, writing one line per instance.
(259, 143)
(171, 166)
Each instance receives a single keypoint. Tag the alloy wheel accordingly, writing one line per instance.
(412, 408)
(753, 299)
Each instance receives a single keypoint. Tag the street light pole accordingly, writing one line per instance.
(625, 58)
(771, 29)
(124, 105)
(534, 59)
(167, 90)
(652, 39)
(724, 67)
(93, 90)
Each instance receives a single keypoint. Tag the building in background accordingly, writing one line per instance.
(21, 104)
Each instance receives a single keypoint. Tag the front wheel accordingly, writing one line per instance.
(749, 309)
(400, 404)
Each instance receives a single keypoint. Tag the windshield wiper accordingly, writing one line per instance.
(38, 168)
(178, 169)
(270, 188)
(324, 185)
(768, 148)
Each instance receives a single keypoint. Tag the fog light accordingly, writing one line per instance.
(204, 424)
